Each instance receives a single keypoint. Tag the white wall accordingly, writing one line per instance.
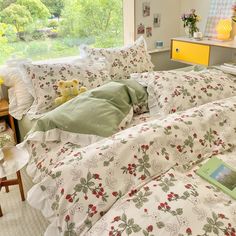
(169, 28)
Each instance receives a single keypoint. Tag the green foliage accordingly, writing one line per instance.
(101, 19)
(5, 3)
(9, 31)
(5, 48)
(16, 15)
(37, 49)
(23, 27)
(36, 8)
(53, 24)
(55, 6)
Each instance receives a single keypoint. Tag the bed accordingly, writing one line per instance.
(139, 179)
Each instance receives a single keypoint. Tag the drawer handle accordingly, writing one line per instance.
(177, 50)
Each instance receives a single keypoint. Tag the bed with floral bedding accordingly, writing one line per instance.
(142, 181)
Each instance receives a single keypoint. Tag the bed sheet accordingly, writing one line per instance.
(78, 186)
(171, 205)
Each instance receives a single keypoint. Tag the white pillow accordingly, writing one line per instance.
(45, 78)
(20, 99)
(173, 91)
(125, 60)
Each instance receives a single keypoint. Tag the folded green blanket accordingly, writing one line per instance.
(99, 111)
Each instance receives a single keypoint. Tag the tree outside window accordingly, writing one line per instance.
(41, 29)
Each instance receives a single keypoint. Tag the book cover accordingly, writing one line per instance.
(218, 173)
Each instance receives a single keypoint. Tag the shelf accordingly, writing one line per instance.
(157, 50)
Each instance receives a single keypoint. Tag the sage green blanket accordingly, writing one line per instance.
(99, 111)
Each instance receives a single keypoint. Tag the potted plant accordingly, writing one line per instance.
(190, 22)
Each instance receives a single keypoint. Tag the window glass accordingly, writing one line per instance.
(41, 29)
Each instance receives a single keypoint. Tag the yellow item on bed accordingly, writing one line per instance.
(68, 89)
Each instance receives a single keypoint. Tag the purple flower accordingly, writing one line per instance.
(187, 15)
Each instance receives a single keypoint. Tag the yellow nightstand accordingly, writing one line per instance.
(204, 52)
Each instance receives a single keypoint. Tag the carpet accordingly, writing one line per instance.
(19, 218)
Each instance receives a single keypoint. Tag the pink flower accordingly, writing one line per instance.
(96, 176)
(67, 218)
(150, 228)
(143, 177)
(189, 231)
(115, 194)
(188, 186)
(117, 218)
(145, 147)
(222, 216)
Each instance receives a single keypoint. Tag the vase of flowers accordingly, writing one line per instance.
(190, 22)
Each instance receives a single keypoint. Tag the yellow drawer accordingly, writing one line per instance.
(190, 52)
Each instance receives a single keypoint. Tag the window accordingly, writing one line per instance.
(41, 29)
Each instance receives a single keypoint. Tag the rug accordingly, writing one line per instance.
(19, 218)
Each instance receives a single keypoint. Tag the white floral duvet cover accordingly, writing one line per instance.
(175, 203)
(78, 187)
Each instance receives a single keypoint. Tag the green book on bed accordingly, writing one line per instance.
(220, 174)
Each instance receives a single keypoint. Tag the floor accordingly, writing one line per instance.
(19, 218)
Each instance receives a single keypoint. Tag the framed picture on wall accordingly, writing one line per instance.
(156, 20)
(141, 29)
(146, 9)
(149, 32)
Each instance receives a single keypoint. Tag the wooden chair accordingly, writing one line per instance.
(13, 155)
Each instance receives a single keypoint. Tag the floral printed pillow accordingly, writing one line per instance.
(46, 76)
(173, 91)
(124, 61)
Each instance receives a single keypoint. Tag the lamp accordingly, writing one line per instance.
(223, 29)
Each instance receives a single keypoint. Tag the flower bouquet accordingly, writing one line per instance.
(190, 22)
